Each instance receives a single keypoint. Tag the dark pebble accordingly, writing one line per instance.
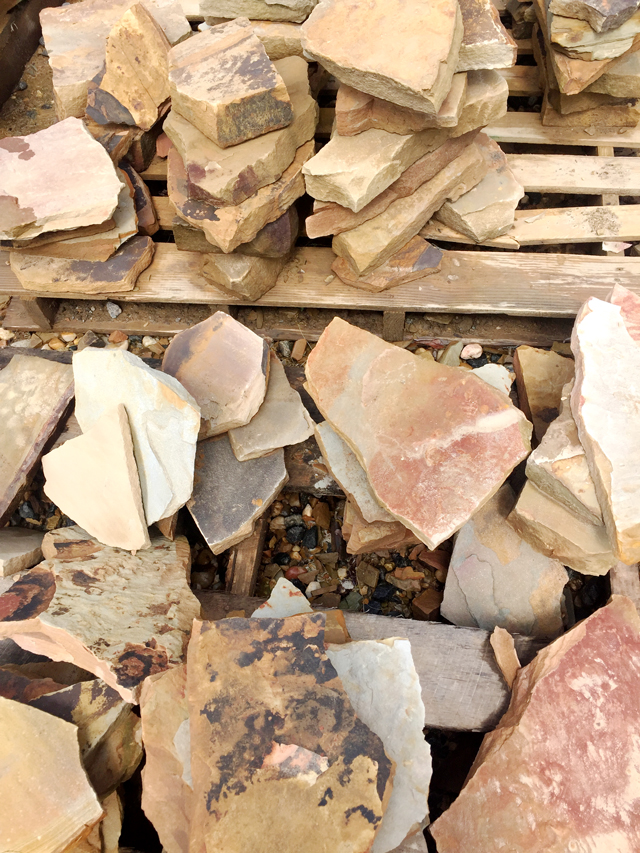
(293, 521)
(299, 585)
(384, 592)
(26, 511)
(310, 538)
(31, 114)
(295, 534)
(41, 41)
(477, 362)
(372, 607)
(47, 106)
(21, 86)
(400, 562)
(282, 559)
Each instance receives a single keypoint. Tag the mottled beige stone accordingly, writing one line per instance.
(414, 261)
(601, 15)
(248, 276)
(580, 41)
(19, 549)
(540, 377)
(262, 10)
(280, 38)
(365, 537)
(621, 79)
(485, 101)
(486, 43)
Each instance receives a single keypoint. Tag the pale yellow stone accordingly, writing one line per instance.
(540, 376)
(267, 10)
(486, 43)
(280, 38)
(246, 275)
(485, 101)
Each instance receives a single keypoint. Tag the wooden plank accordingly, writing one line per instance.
(528, 128)
(608, 199)
(41, 311)
(568, 173)
(393, 325)
(244, 561)
(462, 687)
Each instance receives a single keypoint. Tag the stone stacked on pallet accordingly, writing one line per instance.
(405, 139)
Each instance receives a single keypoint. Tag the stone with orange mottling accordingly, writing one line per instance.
(561, 771)
(436, 442)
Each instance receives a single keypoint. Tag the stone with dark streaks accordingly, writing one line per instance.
(416, 260)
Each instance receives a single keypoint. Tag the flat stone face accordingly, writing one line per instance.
(364, 537)
(225, 367)
(163, 417)
(258, 10)
(49, 748)
(621, 79)
(280, 39)
(524, 792)
(19, 549)
(616, 115)
(433, 426)
(601, 15)
(352, 43)
(286, 755)
(496, 579)
(629, 305)
(223, 82)
(382, 684)
(135, 621)
(540, 376)
(485, 101)
(230, 175)
(94, 480)
(281, 419)
(44, 181)
(247, 275)
(228, 496)
(604, 405)
(414, 261)
(555, 531)
(34, 394)
(486, 43)
(275, 240)
(285, 600)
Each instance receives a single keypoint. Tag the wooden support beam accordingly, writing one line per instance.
(528, 127)
(569, 173)
(393, 325)
(40, 310)
(244, 561)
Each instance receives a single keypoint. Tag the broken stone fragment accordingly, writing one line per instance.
(540, 377)
(145, 211)
(273, 241)
(105, 835)
(621, 79)
(507, 659)
(525, 794)
(163, 417)
(485, 101)
(416, 260)
(223, 82)
(94, 480)
(335, 777)
(352, 43)
(281, 419)
(49, 748)
(414, 437)
(280, 38)
(365, 537)
(486, 43)
(579, 41)
(285, 600)
(615, 115)
(44, 181)
(258, 10)
(496, 579)
(34, 395)
(495, 375)
(248, 276)
(228, 496)
(20, 549)
(601, 15)
(134, 622)
(225, 366)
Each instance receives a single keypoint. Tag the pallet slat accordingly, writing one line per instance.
(568, 173)
(528, 128)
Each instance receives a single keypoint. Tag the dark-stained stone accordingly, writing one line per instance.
(540, 376)
(247, 276)
(275, 240)
(145, 211)
(601, 15)
(414, 261)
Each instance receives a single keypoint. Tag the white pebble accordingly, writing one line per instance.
(471, 351)
(113, 310)
(313, 586)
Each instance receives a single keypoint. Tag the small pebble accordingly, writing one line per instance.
(6, 335)
(299, 349)
(118, 337)
(313, 586)
(471, 351)
(285, 348)
(296, 533)
(68, 337)
(113, 310)
(21, 86)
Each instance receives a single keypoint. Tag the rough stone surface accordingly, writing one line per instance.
(496, 579)
(275, 240)
(223, 82)
(44, 179)
(495, 375)
(259, 10)
(352, 43)
(281, 419)
(560, 771)
(163, 417)
(621, 79)
(94, 480)
(601, 15)
(120, 616)
(486, 43)
(555, 531)
(540, 376)
(285, 752)
(249, 276)
(280, 39)
(285, 600)
(579, 40)
(507, 659)
(20, 549)
(626, 114)
(434, 426)
(414, 261)
(485, 101)
(230, 175)
(364, 537)
(225, 366)
(228, 495)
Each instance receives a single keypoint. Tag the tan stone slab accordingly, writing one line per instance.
(580, 41)
(412, 436)
(352, 43)
(20, 549)
(223, 82)
(145, 211)
(44, 181)
(294, 761)
(275, 240)
(281, 419)
(49, 238)
(414, 261)
(525, 792)
(118, 274)
(280, 38)
(486, 43)
(506, 655)
(601, 15)
(621, 78)
(134, 88)
(246, 275)
(225, 366)
(606, 115)
(540, 377)
(485, 101)
(583, 101)
(49, 748)
(120, 616)
(287, 10)
(230, 175)
(555, 531)
(228, 227)
(94, 480)
(34, 395)
(365, 537)
(375, 241)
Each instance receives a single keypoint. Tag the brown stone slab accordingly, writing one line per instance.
(275, 240)
(415, 260)
(540, 376)
(486, 43)
(145, 211)
(245, 275)
(365, 537)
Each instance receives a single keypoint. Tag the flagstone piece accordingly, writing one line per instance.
(487, 210)
(285, 600)
(496, 579)
(44, 181)
(496, 375)
(275, 240)
(119, 616)
(68, 544)
(94, 480)
(145, 211)
(540, 377)
(629, 304)
(382, 684)
(416, 260)
(352, 43)
(225, 366)
(34, 395)
(626, 114)
(258, 10)
(223, 176)
(281, 419)
(280, 38)
(486, 43)
(335, 777)
(579, 40)
(485, 101)
(230, 226)
(621, 78)
(246, 275)
(223, 82)
(601, 15)
(105, 835)
(371, 244)
(507, 659)
(523, 793)
(556, 532)
(118, 274)
(432, 426)
(20, 549)
(365, 537)
(49, 748)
